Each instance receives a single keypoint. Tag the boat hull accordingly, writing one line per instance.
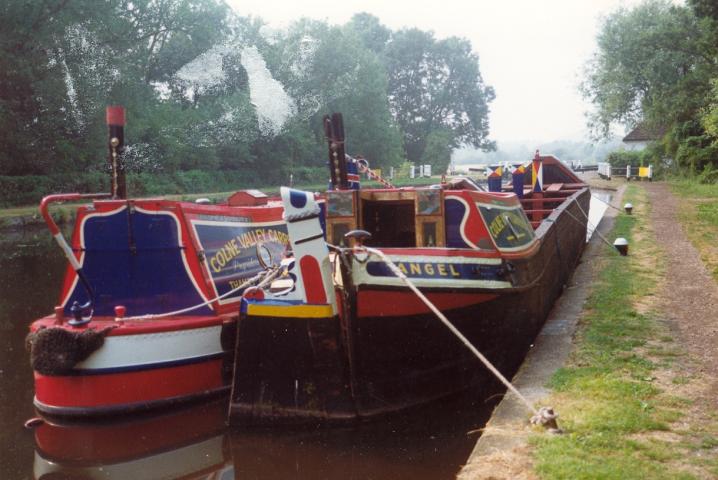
(388, 353)
(140, 366)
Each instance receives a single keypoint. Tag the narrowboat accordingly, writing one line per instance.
(351, 341)
(149, 303)
(280, 301)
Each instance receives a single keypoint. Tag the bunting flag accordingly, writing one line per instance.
(518, 168)
(537, 173)
(493, 175)
(518, 173)
(493, 171)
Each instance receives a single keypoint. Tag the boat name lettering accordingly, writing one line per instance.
(232, 248)
(497, 225)
(415, 269)
(447, 270)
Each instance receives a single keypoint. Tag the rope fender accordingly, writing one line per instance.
(55, 351)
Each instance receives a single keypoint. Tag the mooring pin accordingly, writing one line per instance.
(546, 417)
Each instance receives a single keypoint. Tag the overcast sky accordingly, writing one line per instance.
(531, 51)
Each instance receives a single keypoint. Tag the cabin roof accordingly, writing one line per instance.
(642, 133)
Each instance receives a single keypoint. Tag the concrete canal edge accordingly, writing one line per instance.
(501, 451)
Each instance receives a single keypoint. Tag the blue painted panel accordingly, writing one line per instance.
(455, 211)
(231, 250)
(135, 260)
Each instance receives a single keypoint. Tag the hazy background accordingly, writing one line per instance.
(531, 52)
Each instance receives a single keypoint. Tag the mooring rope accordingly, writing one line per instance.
(607, 203)
(265, 277)
(544, 416)
(363, 165)
(595, 227)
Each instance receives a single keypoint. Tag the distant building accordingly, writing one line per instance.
(639, 138)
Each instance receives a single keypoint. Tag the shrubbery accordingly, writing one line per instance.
(621, 158)
(29, 189)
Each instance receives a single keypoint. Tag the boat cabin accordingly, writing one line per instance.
(429, 217)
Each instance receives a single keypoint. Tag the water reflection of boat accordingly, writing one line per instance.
(324, 335)
(189, 443)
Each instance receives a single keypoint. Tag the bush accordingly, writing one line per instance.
(709, 175)
(697, 153)
(622, 158)
(29, 189)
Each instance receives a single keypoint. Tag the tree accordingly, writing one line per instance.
(328, 69)
(438, 150)
(433, 85)
(372, 33)
(62, 62)
(653, 64)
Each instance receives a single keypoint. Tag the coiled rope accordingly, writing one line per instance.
(544, 416)
(264, 278)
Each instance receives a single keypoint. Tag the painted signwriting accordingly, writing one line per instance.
(230, 250)
(464, 271)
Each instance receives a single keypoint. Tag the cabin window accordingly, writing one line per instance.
(508, 226)
(429, 202)
(340, 203)
(428, 234)
(391, 223)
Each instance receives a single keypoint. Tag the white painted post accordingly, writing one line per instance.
(412, 172)
(628, 172)
(609, 171)
(650, 173)
(427, 170)
(391, 173)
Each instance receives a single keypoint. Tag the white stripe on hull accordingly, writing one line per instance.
(153, 348)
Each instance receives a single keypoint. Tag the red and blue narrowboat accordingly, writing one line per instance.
(277, 300)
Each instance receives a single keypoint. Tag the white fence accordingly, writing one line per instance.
(604, 170)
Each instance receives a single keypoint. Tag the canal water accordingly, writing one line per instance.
(432, 443)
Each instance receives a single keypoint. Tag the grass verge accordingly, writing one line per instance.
(699, 216)
(618, 419)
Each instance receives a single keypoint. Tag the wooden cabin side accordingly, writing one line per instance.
(427, 218)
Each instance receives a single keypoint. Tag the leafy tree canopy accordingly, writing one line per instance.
(206, 89)
(434, 85)
(653, 64)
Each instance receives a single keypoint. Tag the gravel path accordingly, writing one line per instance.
(689, 299)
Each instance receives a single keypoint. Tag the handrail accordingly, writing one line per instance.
(63, 197)
(82, 313)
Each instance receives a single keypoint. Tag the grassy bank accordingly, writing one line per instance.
(699, 216)
(618, 416)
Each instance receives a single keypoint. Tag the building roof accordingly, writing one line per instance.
(644, 134)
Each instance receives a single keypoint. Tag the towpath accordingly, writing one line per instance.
(689, 300)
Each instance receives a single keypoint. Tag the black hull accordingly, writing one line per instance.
(332, 370)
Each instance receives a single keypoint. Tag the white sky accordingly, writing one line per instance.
(531, 51)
